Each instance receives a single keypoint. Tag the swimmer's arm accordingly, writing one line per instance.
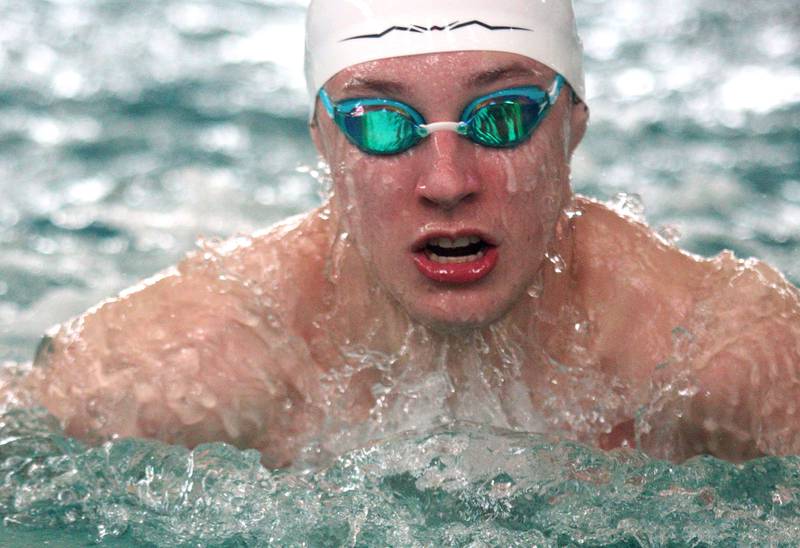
(187, 358)
(748, 374)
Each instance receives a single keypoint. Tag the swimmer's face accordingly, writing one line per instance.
(498, 207)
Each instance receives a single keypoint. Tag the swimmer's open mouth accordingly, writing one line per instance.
(455, 258)
(459, 250)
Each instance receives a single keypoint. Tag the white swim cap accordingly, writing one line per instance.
(343, 33)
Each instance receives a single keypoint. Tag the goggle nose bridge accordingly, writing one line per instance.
(458, 127)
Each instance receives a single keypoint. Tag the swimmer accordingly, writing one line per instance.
(452, 242)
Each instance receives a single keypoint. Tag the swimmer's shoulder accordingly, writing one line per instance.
(748, 293)
(219, 283)
(738, 319)
(284, 260)
(642, 287)
(284, 267)
(187, 351)
(635, 286)
(618, 253)
(610, 241)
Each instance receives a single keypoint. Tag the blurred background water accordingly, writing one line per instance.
(130, 128)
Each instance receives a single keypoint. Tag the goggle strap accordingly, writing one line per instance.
(555, 89)
(326, 102)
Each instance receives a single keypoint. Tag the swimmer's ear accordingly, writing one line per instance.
(579, 120)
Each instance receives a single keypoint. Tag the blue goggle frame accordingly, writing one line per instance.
(502, 119)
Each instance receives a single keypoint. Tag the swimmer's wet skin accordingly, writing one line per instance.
(446, 279)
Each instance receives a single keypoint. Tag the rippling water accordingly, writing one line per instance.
(463, 485)
(127, 129)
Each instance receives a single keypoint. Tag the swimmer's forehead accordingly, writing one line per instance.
(467, 71)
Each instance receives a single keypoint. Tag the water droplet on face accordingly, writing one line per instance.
(511, 175)
(559, 266)
(535, 289)
(582, 328)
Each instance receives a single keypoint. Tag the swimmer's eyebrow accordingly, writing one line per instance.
(495, 75)
(395, 88)
(375, 86)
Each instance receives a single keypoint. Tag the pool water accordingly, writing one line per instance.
(459, 485)
(128, 129)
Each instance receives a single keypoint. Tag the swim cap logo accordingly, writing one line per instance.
(455, 25)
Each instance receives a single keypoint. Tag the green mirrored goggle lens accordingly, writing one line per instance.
(500, 120)
(505, 123)
(387, 130)
(379, 129)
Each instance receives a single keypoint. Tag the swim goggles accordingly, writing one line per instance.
(503, 119)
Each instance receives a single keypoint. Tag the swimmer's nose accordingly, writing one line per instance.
(446, 177)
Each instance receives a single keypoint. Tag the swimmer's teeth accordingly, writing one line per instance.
(454, 245)
(447, 243)
(447, 260)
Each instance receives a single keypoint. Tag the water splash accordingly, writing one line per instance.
(671, 234)
(628, 204)
(447, 486)
(321, 173)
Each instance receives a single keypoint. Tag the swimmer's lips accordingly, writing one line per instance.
(455, 273)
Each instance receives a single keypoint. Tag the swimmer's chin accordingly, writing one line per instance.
(455, 310)
(453, 320)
